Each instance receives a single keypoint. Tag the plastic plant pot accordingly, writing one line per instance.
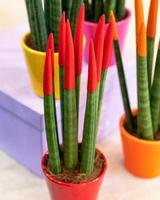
(141, 157)
(35, 64)
(90, 27)
(59, 190)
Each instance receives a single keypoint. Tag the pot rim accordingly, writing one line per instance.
(128, 16)
(75, 185)
(131, 137)
(27, 48)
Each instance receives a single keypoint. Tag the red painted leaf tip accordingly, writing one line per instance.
(50, 42)
(69, 69)
(62, 41)
(99, 45)
(48, 76)
(100, 25)
(102, 19)
(108, 43)
(50, 45)
(92, 70)
(78, 40)
(64, 14)
(82, 7)
(159, 45)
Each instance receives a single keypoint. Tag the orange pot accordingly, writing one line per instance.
(141, 156)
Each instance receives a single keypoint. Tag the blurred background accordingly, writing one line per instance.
(16, 183)
(13, 13)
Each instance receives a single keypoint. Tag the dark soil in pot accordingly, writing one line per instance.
(135, 131)
(30, 43)
(89, 18)
(75, 176)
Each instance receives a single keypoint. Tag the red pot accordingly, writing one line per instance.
(122, 26)
(68, 191)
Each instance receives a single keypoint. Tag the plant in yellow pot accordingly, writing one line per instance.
(43, 20)
(140, 128)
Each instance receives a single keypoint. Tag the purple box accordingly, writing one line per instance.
(21, 112)
(21, 133)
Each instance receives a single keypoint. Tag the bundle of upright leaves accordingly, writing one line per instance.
(49, 110)
(148, 90)
(44, 21)
(95, 8)
(99, 58)
(70, 60)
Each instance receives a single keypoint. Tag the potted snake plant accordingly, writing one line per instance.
(94, 9)
(44, 17)
(140, 127)
(75, 170)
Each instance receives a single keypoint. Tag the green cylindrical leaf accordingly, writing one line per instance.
(67, 6)
(52, 137)
(101, 93)
(102, 87)
(47, 8)
(61, 78)
(150, 55)
(123, 87)
(55, 18)
(55, 114)
(144, 112)
(89, 136)
(155, 96)
(37, 23)
(97, 104)
(88, 10)
(110, 5)
(120, 9)
(40, 23)
(97, 9)
(32, 22)
(78, 81)
(74, 14)
(70, 130)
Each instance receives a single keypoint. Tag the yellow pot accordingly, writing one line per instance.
(35, 63)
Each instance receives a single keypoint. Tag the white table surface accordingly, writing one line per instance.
(17, 183)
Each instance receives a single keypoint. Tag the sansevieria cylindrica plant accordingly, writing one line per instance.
(70, 153)
(146, 125)
(95, 8)
(45, 16)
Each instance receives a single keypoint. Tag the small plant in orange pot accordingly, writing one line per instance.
(72, 170)
(140, 128)
(44, 18)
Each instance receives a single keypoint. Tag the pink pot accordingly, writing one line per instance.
(67, 191)
(90, 27)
